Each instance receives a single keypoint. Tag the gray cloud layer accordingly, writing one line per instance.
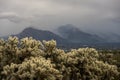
(89, 15)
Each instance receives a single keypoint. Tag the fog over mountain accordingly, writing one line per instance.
(70, 37)
(92, 16)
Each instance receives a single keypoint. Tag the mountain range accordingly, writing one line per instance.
(75, 35)
(68, 36)
(41, 35)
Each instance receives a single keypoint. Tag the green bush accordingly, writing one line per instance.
(30, 59)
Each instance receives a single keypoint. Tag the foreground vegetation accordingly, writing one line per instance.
(30, 59)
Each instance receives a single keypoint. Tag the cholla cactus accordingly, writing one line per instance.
(2, 44)
(30, 59)
(57, 56)
(36, 68)
(49, 45)
(85, 65)
(108, 58)
(30, 47)
(9, 51)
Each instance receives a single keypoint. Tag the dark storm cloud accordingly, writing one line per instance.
(89, 15)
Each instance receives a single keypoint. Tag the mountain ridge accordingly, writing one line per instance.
(64, 42)
(74, 34)
(40, 35)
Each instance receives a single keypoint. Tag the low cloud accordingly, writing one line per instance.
(11, 17)
(88, 15)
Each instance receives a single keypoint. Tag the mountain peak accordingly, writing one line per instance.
(69, 27)
(29, 28)
(40, 35)
(74, 34)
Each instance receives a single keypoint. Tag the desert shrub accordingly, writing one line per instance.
(35, 68)
(30, 59)
(84, 64)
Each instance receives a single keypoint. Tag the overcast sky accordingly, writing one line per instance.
(88, 15)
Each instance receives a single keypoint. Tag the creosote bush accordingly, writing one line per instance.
(30, 59)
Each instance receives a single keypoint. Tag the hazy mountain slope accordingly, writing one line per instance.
(70, 37)
(40, 35)
(110, 37)
(75, 35)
